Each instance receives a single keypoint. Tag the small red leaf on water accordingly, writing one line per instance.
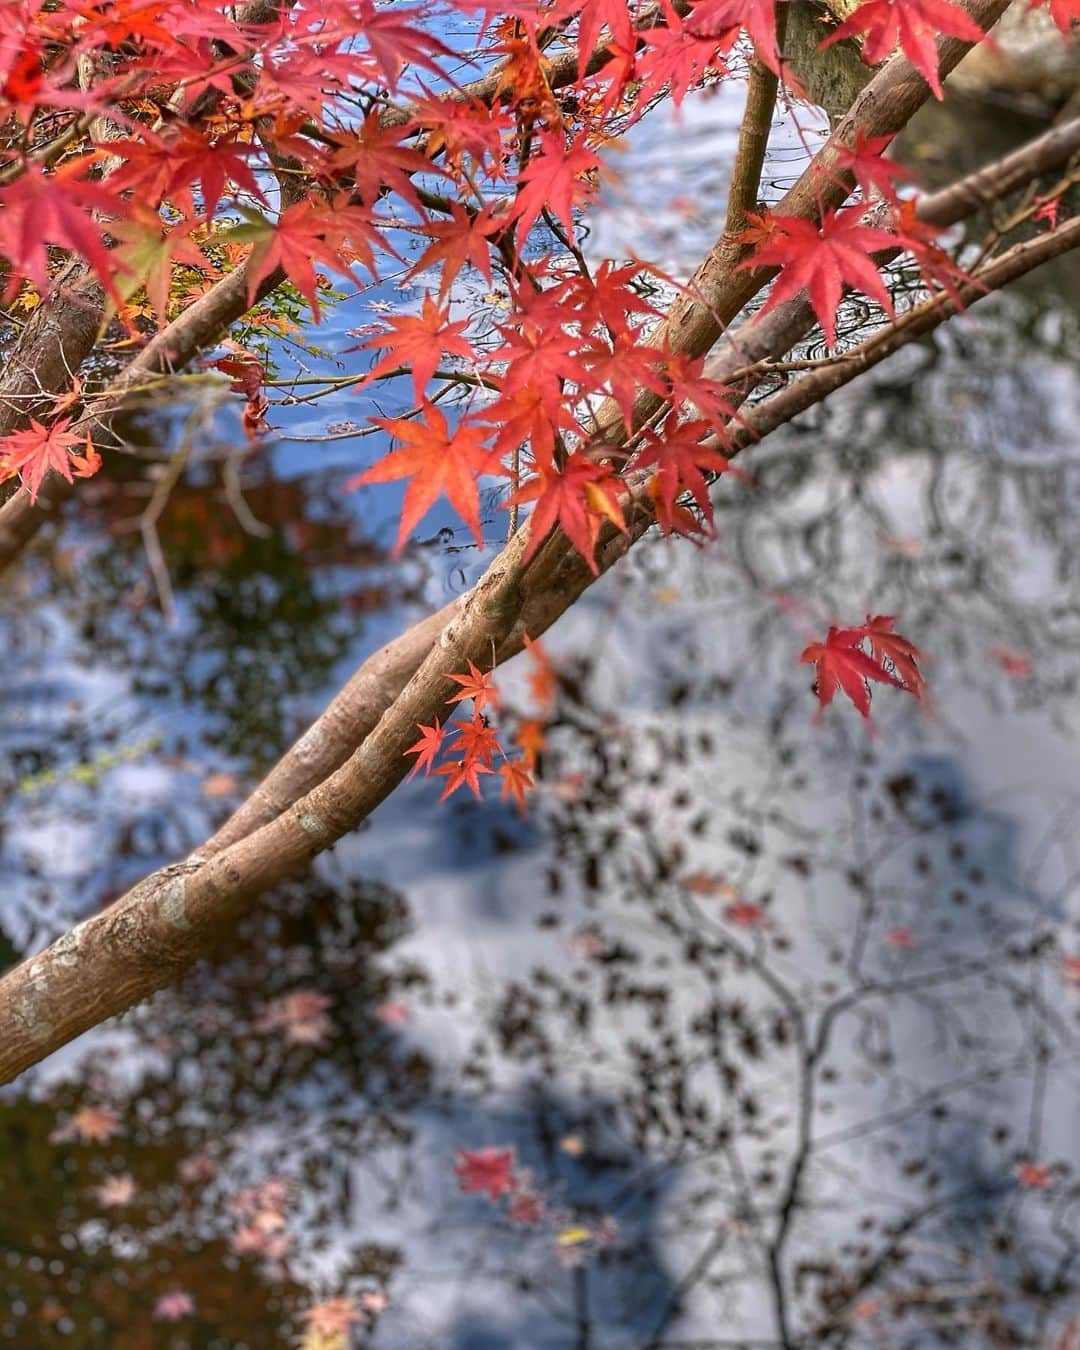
(901, 938)
(1034, 1176)
(1015, 664)
(745, 914)
(486, 1171)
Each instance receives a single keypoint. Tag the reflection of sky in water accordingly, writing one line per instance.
(568, 994)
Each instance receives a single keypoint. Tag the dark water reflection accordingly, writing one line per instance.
(773, 1015)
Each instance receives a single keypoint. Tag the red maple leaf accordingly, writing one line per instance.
(477, 685)
(167, 166)
(419, 341)
(461, 239)
(822, 260)
(541, 357)
(676, 57)
(553, 180)
(427, 747)
(576, 497)
(304, 234)
(516, 781)
(594, 15)
(872, 170)
(841, 664)
(463, 773)
(39, 209)
(477, 739)
(912, 25)
(682, 461)
(488, 1171)
(920, 239)
(901, 654)
(1034, 1176)
(758, 17)
(436, 461)
(38, 450)
(745, 914)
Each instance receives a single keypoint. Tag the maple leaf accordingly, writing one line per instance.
(622, 367)
(745, 914)
(516, 781)
(167, 166)
(872, 170)
(436, 461)
(912, 25)
(919, 238)
(677, 58)
(841, 664)
(303, 234)
(477, 740)
(901, 654)
(682, 460)
(757, 17)
(419, 341)
(553, 180)
(606, 298)
(1015, 664)
(1034, 1176)
(427, 747)
(58, 208)
(116, 1190)
(540, 359)
(244, 369)
(38, 450)
(464, 238)
(576, 497)
(543, 679)
(530, 739)
(477, 685)
(462, 126)
(91, 1124)
(486, 1171)
(148, 253)
(394, 43)
(331, 1317)
(526, 1209)
(463, 773)
(823, 259)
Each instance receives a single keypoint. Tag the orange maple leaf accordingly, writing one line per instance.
(437, 461)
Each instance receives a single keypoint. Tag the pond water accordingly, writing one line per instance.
(777, 1016)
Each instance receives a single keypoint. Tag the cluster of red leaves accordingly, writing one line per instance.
(492, 1172)
(207, 103)
(842, 663)
(469, 748)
